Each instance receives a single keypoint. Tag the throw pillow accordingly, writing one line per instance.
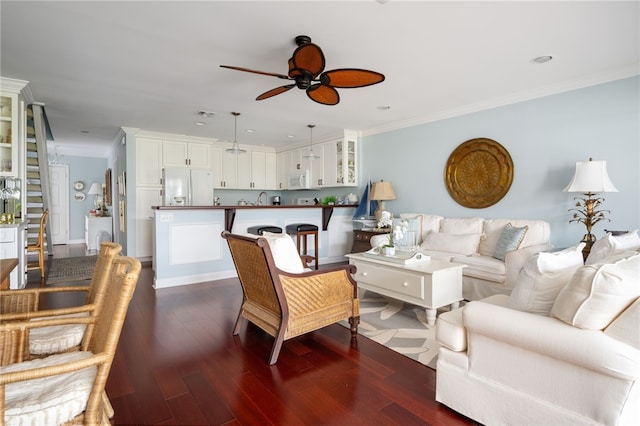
(465, 244)
(597, 294)
(542, 278)
(625, 327)
(560, 260)
(610, 245)
(284, 251)
(510, 240)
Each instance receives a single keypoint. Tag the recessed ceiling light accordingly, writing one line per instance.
(200, 123)
(84, 131)
(541, 59)
(205, 114)
(384, 107)
(251, 131)
(291, 136)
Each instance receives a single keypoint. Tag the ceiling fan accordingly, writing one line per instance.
(306, 68)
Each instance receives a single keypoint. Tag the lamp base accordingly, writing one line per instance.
(381, 207)
(588, 240)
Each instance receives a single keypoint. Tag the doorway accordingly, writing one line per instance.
(59, 204)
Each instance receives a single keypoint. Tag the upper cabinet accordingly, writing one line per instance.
(186, 154)
(256, 170)
(335, 165)
(148, 162)
(12, 126)
(347, 160)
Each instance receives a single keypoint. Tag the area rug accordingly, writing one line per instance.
(400, 326)
(67, 269)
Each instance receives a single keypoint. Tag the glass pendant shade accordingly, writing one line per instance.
(311, 155)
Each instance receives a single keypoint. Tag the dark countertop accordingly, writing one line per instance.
(289, 206)
(230, 211)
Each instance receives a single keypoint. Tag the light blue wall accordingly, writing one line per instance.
(87, 170)
(545, 138)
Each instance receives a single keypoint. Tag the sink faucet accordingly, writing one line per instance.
(259, 202)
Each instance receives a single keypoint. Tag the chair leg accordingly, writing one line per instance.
(277, 345)
(354, 321)
(236, 328)
(41, 262)
(108, 408)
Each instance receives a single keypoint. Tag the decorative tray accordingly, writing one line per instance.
(402, 258)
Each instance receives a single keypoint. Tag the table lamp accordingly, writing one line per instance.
(96, 189)
(381, 192)
(590, 178)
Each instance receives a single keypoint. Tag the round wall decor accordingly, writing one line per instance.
(79, 196)
(479, 173)
(78, 185)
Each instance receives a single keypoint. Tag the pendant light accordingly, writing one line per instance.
(235, 148)
(311, 155)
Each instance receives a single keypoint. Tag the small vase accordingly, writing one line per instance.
(389, 251)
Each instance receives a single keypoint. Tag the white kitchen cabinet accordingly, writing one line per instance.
(283, 165)
(186, 154)
(93, 226)
(12, 126)
(146, 197)
(148, 162)
(13, 245)
(347, 160)
(251, 170)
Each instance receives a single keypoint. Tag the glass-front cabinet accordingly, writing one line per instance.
(12, 118)
(347, 159)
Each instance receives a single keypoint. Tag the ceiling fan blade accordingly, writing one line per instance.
(272, 74)
(275, 91)
(350, 78)
(323, 94)
(307, 57)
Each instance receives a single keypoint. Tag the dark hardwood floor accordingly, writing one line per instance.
(177, 363)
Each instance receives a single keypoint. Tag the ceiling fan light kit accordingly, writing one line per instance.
(306, 68)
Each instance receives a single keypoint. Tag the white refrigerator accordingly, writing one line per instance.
(187, 187)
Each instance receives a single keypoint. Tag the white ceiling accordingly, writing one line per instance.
(99, 66)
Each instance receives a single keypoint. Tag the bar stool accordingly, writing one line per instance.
(301, 230)
(259, 229)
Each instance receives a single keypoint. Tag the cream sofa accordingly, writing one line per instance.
(473, 242)
(575, 361)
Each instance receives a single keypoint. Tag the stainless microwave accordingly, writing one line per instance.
(299, 179)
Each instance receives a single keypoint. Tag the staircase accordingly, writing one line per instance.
(37, 185)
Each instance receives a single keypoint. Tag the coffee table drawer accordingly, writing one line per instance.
(392, 280)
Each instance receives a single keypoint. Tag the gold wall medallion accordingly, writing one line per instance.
(479, 173)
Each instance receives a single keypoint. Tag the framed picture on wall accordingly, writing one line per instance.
(107, 193)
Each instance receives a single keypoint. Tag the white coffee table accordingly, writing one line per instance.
(430, 284)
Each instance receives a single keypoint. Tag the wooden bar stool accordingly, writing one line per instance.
(302, 230)
(259, 229)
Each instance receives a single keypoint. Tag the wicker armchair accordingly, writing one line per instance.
(284, 304)
(69, 388)
(23, 305)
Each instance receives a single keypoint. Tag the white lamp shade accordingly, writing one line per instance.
(96, 189)
(591, 176)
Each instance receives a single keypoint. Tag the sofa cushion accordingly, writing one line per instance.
(284, 251)
(461, 225)
(509, 240)
(539, 233)
(542, 278)
(465, 244)
(487, 264)
(625, 327)
(610, 245)
(597, 294)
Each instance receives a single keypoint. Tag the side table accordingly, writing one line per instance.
(362, 238)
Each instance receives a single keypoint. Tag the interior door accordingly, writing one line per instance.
(59, 204)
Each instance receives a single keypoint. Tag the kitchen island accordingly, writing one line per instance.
(188, 247)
